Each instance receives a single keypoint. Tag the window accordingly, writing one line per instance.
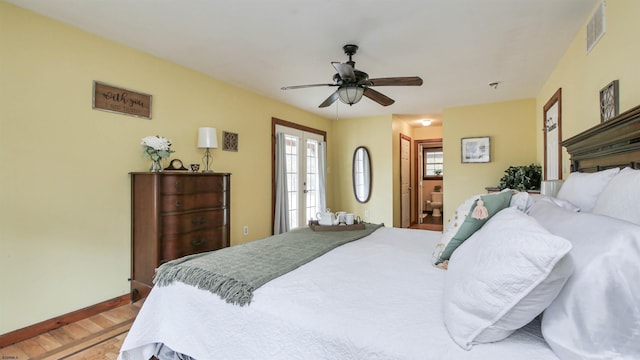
(433, 167)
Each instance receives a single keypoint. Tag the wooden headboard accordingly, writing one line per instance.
(613, 143)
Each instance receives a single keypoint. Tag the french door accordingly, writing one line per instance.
(304, 161)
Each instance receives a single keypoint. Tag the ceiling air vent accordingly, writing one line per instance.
(595, 27)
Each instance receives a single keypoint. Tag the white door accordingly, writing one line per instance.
(405, 181)
(303, 174)
(553, 144)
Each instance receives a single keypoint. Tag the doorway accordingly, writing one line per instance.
(304, 161)
(429, 181)
(405, 181)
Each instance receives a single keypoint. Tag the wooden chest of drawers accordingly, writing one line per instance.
(174, 214)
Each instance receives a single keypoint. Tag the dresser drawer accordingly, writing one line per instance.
(192, 221)
(175, 246)
(189, 184)
(184, 202)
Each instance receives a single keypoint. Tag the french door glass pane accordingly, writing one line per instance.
(311, 185)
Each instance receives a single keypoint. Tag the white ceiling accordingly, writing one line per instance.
(457, 47)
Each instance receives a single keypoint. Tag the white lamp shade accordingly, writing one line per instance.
(207, 138)
(350, 94)
(550, 187)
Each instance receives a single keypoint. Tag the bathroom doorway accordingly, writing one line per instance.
(429, 178)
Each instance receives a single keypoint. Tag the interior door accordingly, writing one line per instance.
(405, 181)
(419, 184)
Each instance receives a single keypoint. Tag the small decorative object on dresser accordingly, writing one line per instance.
(157, 148)
(176, 165)
(174, 214)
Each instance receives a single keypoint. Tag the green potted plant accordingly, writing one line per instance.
(522, 178)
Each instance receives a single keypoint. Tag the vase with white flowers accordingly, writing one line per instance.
(156, 148)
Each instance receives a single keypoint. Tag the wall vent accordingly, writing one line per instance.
(596, 26)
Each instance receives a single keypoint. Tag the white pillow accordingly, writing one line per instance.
(561, 203)
(522, 201)
(502, 277)
(582, 189)
(620, 199)
(597, 313)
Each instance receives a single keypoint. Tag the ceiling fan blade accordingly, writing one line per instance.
(395, 81)
(345, 70)
(304, 86)
(380, 98)
(330, 100)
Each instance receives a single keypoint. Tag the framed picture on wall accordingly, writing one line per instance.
(609, 103)
(476, 150)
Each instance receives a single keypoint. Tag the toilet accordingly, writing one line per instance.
(436, 203)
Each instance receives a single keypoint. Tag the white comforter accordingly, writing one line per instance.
(375, 298)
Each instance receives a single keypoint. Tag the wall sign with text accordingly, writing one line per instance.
(119, 100)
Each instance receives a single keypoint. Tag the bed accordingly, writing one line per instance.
(538, 278)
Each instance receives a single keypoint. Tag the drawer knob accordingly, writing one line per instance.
(178, 203)
(198, 242)
(196, 221)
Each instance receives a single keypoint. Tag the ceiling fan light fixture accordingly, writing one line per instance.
(350, 94)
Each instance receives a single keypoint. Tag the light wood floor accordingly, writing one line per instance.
(97, 337)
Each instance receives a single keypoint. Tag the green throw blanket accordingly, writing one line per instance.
(233, 273)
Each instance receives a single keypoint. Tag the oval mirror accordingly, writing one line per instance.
(361, 174)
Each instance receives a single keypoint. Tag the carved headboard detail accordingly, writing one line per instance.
(614, 143)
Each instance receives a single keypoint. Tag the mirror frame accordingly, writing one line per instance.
(367, 164)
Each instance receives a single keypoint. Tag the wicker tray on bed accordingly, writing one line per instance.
(313, 224)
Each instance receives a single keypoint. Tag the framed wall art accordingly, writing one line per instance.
(609, 106)
(229, 141)
(476, 150)
(123, 101)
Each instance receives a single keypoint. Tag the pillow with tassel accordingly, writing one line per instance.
(482, 208)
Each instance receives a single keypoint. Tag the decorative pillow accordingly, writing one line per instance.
(504, 276)
(582, 189)
(620, 199)
(461, 227)
(597, 313)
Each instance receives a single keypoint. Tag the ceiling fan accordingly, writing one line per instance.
(353, 84)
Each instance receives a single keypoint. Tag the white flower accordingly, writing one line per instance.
(156, 147)
(157, 142)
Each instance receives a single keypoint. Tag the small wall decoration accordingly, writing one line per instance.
(476, 150)
(229, 141)
(122, 101)
(609, 101)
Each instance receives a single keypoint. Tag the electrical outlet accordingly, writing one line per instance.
(367, 214)
(245, 230)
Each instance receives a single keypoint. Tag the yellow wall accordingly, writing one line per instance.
(372, 132)
(581, 75)
(65, 219)
(512, 128)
